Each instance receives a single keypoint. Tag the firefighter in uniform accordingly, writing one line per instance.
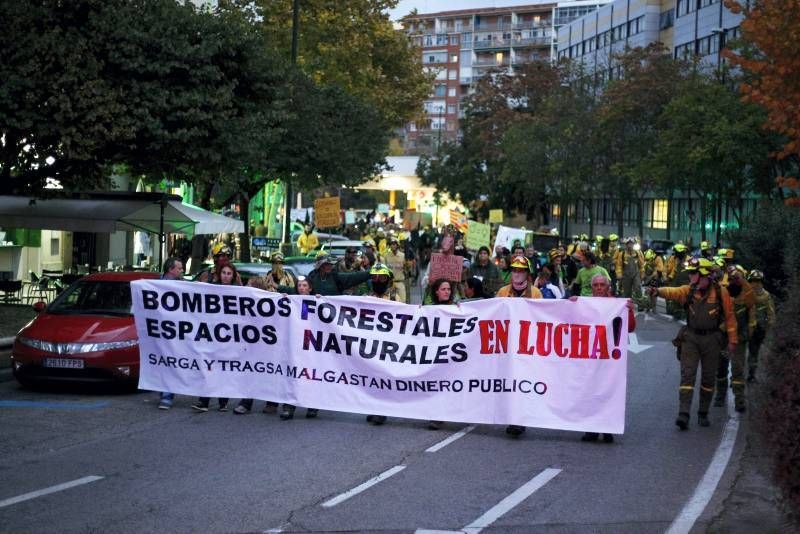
(745, 310)
(395, 259)
(709, 309)
(382, 288)
(765, 318)
(520, 286)
(653, 275)
(629, 266)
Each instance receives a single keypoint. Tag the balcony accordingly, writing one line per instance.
(491, 63)
(491, 43)
(530, 25)
(532, 41)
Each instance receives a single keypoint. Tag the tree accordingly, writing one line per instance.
(711, 142)
(352, 45)
(153, 84)
(627, 115)
(773, 61)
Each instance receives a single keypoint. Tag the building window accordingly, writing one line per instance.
(454, 58)
(454, 39)
(440, 90)
(412, 126)
(659, 215)
(451, 109)
(451, 91)
(54, 246)
(666, 19)
(452, 74)
(441, 39)
(429, 40)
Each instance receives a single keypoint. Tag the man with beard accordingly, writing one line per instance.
(279, 275)
(744, 309)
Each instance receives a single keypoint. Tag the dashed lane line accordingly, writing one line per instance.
(49, 490)
(708, 484)
(445, 442)
(503, 507)
(363, 487)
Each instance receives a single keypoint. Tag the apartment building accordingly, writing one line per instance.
(689, 28)
(461, 46)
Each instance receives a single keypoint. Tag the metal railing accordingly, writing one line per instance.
(493, 43)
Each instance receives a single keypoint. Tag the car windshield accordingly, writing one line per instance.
(94, 297)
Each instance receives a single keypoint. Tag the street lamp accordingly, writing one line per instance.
(287, 211)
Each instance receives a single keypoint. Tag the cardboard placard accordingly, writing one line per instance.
(447, 266)
(411, 219)
(326, 212)
(496, 216)
(478, 235)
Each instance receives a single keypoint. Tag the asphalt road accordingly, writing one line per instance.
(178, 471)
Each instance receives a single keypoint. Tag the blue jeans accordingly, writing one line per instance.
(167, 398)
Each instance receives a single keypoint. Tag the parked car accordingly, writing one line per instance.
(86, 334)
(662, 247)
(338, 248)
(297, 265)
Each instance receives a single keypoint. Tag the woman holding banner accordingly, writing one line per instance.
(442, 294)
(227, 277)
(520, 286)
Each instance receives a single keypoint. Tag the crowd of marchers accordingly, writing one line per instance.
(726, 308)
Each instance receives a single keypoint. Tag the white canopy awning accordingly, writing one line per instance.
(110, 213)
(401, 177)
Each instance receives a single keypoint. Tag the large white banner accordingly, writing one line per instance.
(540, 363)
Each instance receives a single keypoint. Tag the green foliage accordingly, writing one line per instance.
(352, 45)
(153, 84)
(769, 243)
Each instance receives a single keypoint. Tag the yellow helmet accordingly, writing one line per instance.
(701, 265)
(680, 247)
(613, 237)
(649, 254)
(521, 262)
(704, 245)
(380, 269)
(755, 275)
(584, 237)
(598, 238)
(220, 249)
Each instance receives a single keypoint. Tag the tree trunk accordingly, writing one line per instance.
(640, 217)
(621, 218)
(199, 241)
(670, 209)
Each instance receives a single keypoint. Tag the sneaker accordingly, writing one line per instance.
(590, 436)
(682, 421)
(270, 407)
(608, 438)
(434, 425)
(515, 430)
(163, 405)
(240, 410)
(311, 413)
(287, 413)
(223, 407)
(202, 408)
(702, 419)
(376, 419)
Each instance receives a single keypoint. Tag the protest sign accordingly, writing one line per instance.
(383, 208)
(496, 216)
(350, 217)
(411, 220)
(478, 235)
(447, 266)
(506, 236)
(326, 212)
(541, 363)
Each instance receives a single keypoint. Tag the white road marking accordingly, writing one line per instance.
(47, 491)
(445, 442)
(429, 531)
(708, 484)
(667, 317)
(504, 506)
(362, 487)
(633, 344)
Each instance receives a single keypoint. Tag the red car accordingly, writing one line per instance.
(87, 334)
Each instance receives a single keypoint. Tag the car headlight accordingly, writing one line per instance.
(75, 348)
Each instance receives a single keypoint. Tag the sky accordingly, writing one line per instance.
(433, 6)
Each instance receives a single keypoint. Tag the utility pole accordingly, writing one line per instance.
(286, 240)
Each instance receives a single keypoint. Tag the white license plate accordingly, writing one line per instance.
(63, 363)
